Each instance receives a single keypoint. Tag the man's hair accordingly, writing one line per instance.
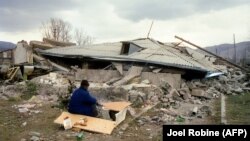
(84, 83)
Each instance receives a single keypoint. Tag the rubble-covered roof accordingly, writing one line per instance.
(106, 49)
(152, 52)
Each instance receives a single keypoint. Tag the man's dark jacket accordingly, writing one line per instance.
(82, 102)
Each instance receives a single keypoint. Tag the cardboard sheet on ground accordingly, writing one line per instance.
(98, 125)
(116, 106)
(94, 124)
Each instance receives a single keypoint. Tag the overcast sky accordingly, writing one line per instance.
(204, 22)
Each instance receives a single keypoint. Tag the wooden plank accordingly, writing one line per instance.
(221, 58)
(94, 124)
(116, 106)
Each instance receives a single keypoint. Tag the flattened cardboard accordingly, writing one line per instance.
(116, 106)
(94, 124)
(98, 125)
(121, 116)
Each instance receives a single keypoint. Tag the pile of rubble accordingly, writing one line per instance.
(27, 108)
(194, 94)
(192, 99)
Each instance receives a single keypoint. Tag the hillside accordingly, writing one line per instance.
(6, 46)
(227, 50)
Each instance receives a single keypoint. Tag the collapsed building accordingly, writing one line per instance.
(20, 62)
(117, 63)
(143, 71)
(6, 52)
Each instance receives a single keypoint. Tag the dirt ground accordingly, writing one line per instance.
(12, 126)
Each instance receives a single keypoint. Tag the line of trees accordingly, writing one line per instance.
(60, 30)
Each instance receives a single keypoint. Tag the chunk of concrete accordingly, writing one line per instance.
(199, 93)
(185, 92)
(34, 138)
(223, 79)
(146, 81)
(175, 95)
(169, 112)
(23, 110)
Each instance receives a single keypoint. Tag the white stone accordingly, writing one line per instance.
(23, 110)
(24, 124)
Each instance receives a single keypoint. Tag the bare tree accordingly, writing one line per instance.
(81, 38)
(56, 29)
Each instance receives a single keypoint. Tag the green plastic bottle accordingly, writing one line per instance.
(80, 136)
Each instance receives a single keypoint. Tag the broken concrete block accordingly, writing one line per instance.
(197, 101)
(166, 88)
(167, 118)
(32, 133)
(185, 92)
(169, 112)
(191, 85)
(131, 111)
(146, 81)
(199, 93)
(24, 124)
(140, 122)
(137, 98)
(150, 95)
(143, 96)
(155, 118)
(23, 110)
(237, 90)
(133, 72)
(119, 67)
(34, 138)
(26, 106)
(184, 85)
(238, 73)
(175, 95)
(154, 99)
(223, 79)
(133, 95)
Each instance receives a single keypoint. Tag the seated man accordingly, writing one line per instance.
(82, 102)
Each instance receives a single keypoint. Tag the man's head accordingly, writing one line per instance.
(85, 84)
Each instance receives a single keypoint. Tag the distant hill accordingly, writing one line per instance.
(6, 46)
(227, 50)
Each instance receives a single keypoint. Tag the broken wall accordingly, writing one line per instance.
(6, 57)
(102, 76)
(23, 53)
(160, 78)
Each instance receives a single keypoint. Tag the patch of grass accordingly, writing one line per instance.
(238, 109)
(31, 89)
(180, 119)
(216, 114)
(11, 121)
(15, 99)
